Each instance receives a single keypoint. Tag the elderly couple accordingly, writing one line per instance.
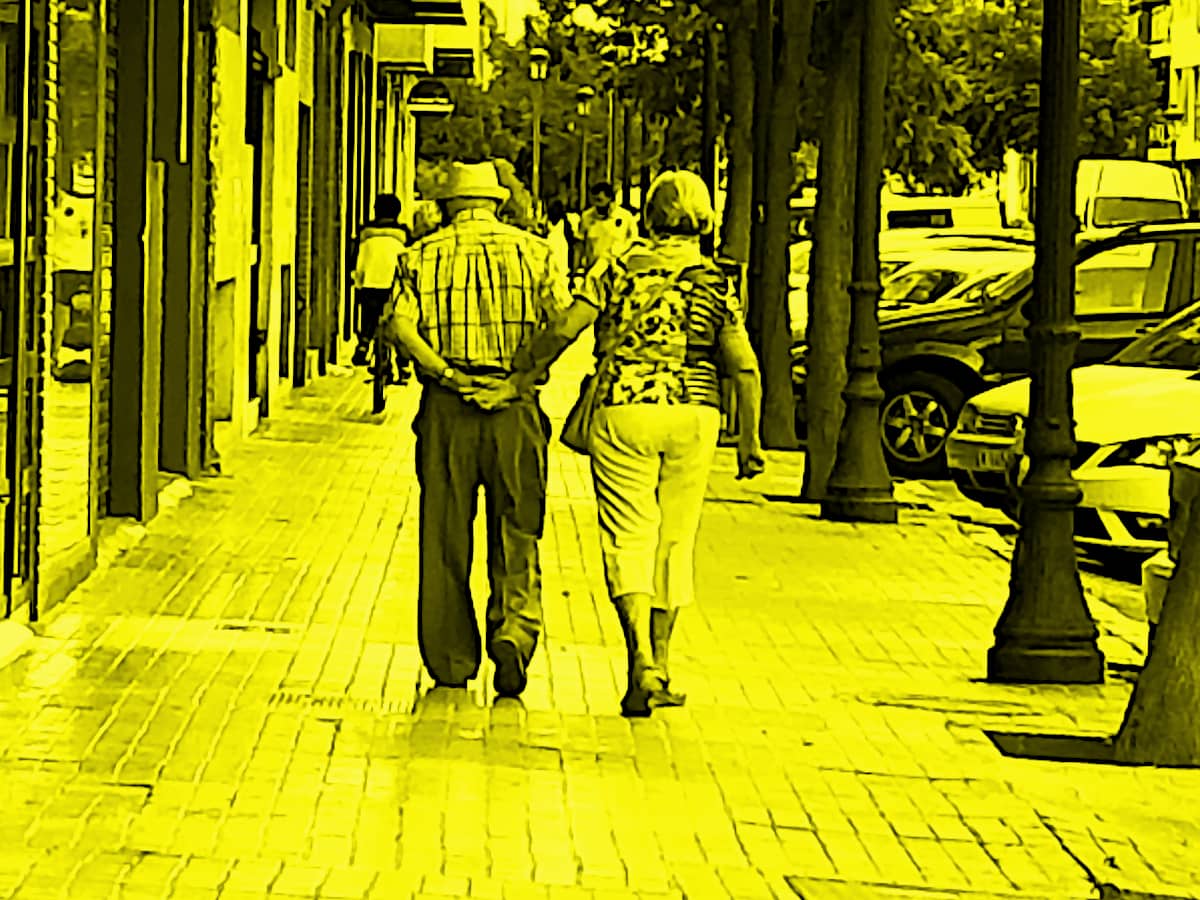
(483, 310)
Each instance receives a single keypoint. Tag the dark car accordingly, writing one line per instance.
(937, 355)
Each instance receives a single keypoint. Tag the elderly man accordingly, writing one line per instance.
(466, 298)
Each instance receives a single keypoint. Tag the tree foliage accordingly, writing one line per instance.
(964, 88)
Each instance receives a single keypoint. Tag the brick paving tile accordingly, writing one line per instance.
(233, 706)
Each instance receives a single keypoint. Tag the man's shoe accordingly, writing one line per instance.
(360, 356)
(510, 678)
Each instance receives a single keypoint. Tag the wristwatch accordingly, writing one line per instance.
(447, 374)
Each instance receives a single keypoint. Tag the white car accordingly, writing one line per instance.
(1158, 569)
(1133, 416)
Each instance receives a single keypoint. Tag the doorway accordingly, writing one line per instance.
(66, 521)
(303, 247)
(256, 89)
(22, 222)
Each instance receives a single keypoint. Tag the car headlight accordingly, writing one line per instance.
(1155, 453)
(968, 417)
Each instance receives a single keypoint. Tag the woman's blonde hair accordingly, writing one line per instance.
(678, 202)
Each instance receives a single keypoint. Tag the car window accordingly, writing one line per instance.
(920, 285)
(1196, 274)
(995, 286)
(920, 218)
(1130, 278)
(1111, 212)
(1175, 344)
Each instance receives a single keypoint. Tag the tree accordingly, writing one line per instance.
(964, 88)
(739, 130)
(1160, 726)
(773, 334)
(828, 326)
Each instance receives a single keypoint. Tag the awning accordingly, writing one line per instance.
(416, 12)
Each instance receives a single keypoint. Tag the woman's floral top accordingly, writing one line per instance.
(684, 301)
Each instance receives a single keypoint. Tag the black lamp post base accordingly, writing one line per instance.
(861, 505)
(1067, 663)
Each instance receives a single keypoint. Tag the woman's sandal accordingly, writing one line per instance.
(667, 697)
(640, 702)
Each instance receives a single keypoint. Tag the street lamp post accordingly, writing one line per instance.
(1045, 633)
(539, 64)
(583, 106)
(624, 48)
(860, 488)
(627, 120)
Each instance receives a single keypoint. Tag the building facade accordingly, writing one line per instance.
(1171, 30)
(181, 183)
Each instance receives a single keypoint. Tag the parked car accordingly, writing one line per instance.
(947, 273)
(1133, 416)
(935, 356)
(1158, 569)
(899, 249)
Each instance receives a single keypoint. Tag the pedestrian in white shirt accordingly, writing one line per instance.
(607, 228)
(559, 234)
(380, 244)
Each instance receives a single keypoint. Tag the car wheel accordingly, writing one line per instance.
(918, 412)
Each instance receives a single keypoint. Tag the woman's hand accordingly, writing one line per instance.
(751, 460)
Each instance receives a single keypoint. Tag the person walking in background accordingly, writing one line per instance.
(667, 323)
(380, 244)
(559, 234)
(606, 228)
(466, 297)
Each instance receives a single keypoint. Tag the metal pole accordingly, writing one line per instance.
(626, 123)
(708, 139)
(610, 164)
(860, 488)
(583, 167)
(643, 144)
(1045, 633)
(537, 148)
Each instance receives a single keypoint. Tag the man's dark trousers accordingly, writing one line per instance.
(459, 448)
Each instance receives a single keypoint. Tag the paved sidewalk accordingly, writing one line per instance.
(234, 708)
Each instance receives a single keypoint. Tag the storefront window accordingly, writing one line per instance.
(68, 319)
(11, 78)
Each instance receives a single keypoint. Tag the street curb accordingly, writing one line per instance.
(1112, 892)
(15, 640)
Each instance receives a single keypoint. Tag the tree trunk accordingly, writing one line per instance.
(828, 329)
(1161, 727)
(739, 198)
(765, 48)
(779, 405)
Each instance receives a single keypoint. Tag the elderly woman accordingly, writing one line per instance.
(671, 324)
(667, 324)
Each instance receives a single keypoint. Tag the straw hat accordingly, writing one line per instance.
(477, 181)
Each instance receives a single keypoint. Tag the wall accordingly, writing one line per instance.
(232, 198)
(290, 87)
